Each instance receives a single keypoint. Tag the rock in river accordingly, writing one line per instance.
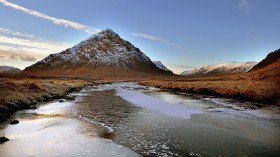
(61, 101)
(69, 97)
(14, 122)
(3, 139)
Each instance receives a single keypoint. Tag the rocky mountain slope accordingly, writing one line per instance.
(270, 58)
(9, 70)
(161, 66)
(102, 55)
(220, 69)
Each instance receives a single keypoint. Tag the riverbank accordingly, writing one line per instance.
(260, 91)
(25, 92)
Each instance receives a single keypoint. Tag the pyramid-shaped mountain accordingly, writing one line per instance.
(103, 55)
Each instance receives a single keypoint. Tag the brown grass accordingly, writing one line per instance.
(261, 86)
(24, 89)
(17, 92)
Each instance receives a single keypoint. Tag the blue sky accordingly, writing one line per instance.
(181, 33)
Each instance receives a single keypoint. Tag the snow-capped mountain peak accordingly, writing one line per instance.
(220, 69)
(104, 49)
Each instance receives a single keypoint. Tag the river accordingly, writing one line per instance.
(126, 119)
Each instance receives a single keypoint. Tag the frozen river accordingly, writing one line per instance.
(126, 119)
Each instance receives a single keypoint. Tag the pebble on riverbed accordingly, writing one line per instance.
(69, 97)
(3, 139)
(14, 122)
(33, 107)
(61, 101)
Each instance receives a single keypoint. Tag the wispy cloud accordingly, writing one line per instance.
(21, 56)
(22, 49)
(15, 33)
(57, 21)
(27, 47)
(155, 38)
(48, 46)
(244, 5)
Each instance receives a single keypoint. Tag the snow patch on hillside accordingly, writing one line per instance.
(105, 47)
(9, 69)
(160, 65)
(230, 68)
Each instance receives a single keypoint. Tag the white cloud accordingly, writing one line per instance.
(21, 56)
(15, 33)
(151, 37)
(18, 41)
(26, 47)
(22, 49)
(45, 45)
(244, 5)
(55, 20)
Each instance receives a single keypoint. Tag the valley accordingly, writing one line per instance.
(104, 93)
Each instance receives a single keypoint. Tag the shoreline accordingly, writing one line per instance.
(25, 93)
(222, 90)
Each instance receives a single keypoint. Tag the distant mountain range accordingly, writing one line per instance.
(102, 55)
(220, 69)
(107, 55)
(9, 70)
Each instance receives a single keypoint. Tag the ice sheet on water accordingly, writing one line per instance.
(148, 102)
(237, 108)
(126, 85)
(51, 107)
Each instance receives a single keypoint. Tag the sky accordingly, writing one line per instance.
(182, 34)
